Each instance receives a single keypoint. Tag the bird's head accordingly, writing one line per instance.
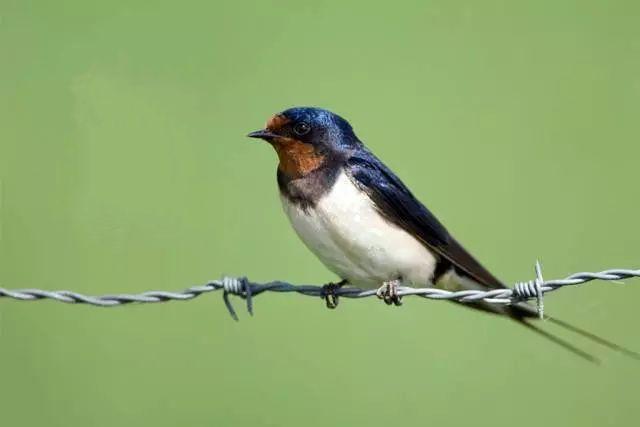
(306, 137)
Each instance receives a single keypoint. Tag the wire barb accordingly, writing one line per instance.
(523, 291)
(242, 287)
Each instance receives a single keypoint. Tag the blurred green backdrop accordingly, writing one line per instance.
(124, 168)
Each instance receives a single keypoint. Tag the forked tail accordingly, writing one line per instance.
(524, 316)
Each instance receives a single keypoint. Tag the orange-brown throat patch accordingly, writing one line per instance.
(297, 158)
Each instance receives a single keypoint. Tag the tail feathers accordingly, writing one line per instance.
(525, 314)
(566, 345)
(593, 337)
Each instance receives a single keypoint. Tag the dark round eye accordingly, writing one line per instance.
(301, 128)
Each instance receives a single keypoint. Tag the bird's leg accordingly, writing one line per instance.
(329, 293)
(388, 292)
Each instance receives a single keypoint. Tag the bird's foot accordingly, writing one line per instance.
(388, 292)
(329, 293)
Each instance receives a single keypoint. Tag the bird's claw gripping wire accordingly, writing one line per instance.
(388, 292)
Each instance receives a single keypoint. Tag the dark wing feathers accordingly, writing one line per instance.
(399, 206)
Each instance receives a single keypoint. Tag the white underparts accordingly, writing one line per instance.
(346, 232)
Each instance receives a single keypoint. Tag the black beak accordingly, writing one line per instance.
(262, 134)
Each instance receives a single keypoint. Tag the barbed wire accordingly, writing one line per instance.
(242, 287)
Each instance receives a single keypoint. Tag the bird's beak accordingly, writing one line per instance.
(262, 134)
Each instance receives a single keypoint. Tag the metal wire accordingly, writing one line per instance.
(242, 287)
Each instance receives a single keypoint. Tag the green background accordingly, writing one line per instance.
(124, 168)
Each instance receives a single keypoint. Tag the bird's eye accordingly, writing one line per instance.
(301, 128)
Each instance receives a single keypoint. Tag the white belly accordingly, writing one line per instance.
(349, 236)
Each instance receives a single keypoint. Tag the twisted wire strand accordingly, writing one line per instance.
(242, 287)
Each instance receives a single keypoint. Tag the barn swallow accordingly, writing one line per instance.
(366, 226)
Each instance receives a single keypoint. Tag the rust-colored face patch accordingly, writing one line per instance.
(296, 158)
(275, 123)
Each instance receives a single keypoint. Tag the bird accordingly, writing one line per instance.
(365, 225)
